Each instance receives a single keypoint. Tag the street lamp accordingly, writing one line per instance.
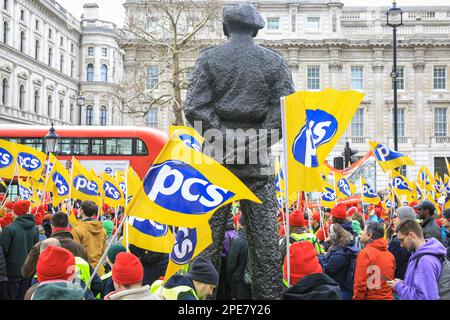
(394, 17)
(80, 103)
(51, 139)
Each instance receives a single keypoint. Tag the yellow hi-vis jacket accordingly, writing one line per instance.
(170, 294)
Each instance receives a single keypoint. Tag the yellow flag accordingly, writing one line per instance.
(328, 196)
(30, 161)
(8, 156)
(436, 206)
(280, 186)
(134, 183)
(389, 159)
(403, 186)
(447, 164)
(148, 235)
(189, 136)
(2, 182)
(184, 187)
(37, 187)
(369, 194)
(425, 179)
(59, 180)
(189, 243)
(314, 123)
(25, 191)
(343, 187)
(111, 193)
(84, 185)
(419, 192)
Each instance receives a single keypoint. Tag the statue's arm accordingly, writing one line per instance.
(199, 99)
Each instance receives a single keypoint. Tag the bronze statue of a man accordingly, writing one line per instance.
(236, 89)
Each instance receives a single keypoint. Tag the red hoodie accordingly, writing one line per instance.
(373, 262)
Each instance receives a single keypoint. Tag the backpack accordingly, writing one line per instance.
(444, 277)
(349, 280)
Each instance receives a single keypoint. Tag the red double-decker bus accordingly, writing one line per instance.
(100, 148)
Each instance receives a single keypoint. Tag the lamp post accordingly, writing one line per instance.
(394, 17)
(51, 140)
(80, 103)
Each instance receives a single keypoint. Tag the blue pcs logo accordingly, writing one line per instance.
(400, 184)
(176, 186)
(148, 227)
(82, 184)
(344, 187)
(25, 194)
(6, 158)
(123, 187)
(111, 191)
(190, 142)
(184, 247)
(328, 195)
(369, 192)
(61, 184)
(320, 128)
(28, 161)
(383, 153)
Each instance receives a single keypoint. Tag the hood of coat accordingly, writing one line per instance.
(379, 244)
(26, 221)
(431, 246)
(93, 227)
(317, 286)
(142, 293)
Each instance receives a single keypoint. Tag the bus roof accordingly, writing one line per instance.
(13, 131)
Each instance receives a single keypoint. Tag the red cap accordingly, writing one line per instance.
(339, 212)
(303, 260)
(21, 207)
(55, 263)
(6, 220)
(296, 219)
(236, 219)
(352, 211)
(316, 216)
(127, 269)
(9, 205)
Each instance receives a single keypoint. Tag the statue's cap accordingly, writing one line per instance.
(243, 15)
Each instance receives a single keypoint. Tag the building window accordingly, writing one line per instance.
(71, 48)
(313, 75)
(21, 96)
(401, 122)
(89, 115)
(357, 124)
(5, 32)
(151, 119)
(440, 78)
(72, 68)
(36, 101)
(152, 77)
(22, 41)
(440, 122)
(103, 116)
(49, 33)
(61, 109)
(36, 49)
(273, 23)
(104, 52)
(72, 113)
(90, 51)
(4, 90)
(61, 63)
(49, 105)
(401, 78)
(50, 56)
(104, 72)
(5, 5)
(152, 25)
(61, 41)
(313, 24)
(356, 78)
(90, 72)
(22, 15)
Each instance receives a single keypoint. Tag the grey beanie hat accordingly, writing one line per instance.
(406, 212)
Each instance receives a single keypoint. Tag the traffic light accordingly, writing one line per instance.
(349, 155)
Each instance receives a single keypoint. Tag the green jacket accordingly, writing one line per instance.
(17, 239)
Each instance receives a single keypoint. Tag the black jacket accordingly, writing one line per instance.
(17, 239)
(401, 256)
(3, 275)
(431, 229)
(318, 286)
(237, 258)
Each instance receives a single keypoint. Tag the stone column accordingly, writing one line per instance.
(378, 100)
(419, 67)
(335, 75)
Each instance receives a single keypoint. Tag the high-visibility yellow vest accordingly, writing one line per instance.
(170, 294)
(82, 270)
(310, 237)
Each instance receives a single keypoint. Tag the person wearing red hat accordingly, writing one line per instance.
(17, 239)
(127, 275)
(303, 262)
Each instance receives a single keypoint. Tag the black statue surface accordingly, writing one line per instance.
(236, 89)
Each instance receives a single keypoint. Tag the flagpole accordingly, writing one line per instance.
(308, 212)
(9, 186)
(286, 184)
(362, 195)
(319, 206)
(334, 187)
(70, 186)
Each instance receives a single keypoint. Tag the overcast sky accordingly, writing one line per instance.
(113, 10)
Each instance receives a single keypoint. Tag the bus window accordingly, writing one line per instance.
(98, 146)
(125, 147)
(65, 146)
(34, 143)
(80, 147)
(141, 148)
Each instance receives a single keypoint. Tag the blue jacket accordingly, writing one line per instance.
(336, 264)
(401, 256)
